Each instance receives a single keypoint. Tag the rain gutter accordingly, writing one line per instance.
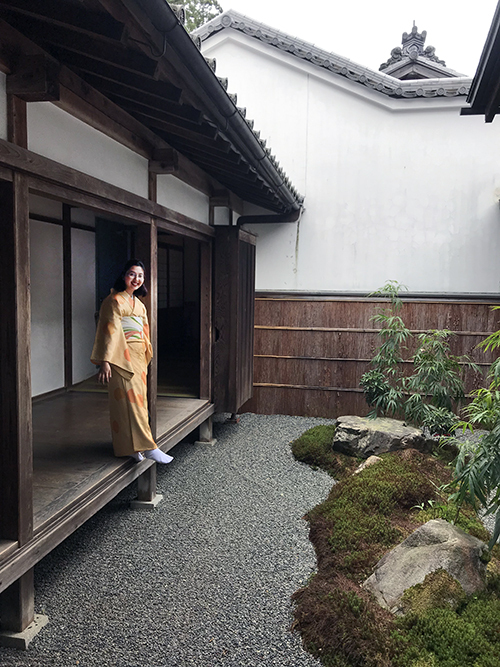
(213, 95)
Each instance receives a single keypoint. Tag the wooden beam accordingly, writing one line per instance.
(35, 78)
(63, 42)
(17, 125)
(149, 99)
(17, 604)
(67, 299)
(16, 429)
(202, 132)
(94, 24)
(108, 123)
(206, 324)
(16, 472)
(137, 82)
(165, 161)
(92, 189)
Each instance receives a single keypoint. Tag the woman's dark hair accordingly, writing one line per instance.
(120, 286)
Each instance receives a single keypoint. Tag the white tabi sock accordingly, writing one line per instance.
(137, 457)
(158, 456)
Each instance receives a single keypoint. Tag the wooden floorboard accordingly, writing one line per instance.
(72, 446)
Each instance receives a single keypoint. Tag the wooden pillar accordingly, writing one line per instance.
(147, 251)
(17, 126)
(16, 471)
(206, 321)
(67, 287)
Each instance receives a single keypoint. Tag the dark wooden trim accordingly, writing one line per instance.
(97, 194)
(16, 472)
(87, 200)
(206, 325)
(248, 237)
(17, 125)
(106, 119)
(34, 79)
(6, 174)
(169, 227)
(152, 186)
(303, 386)
(146, 248)
(341, 359)
(70, 16)
(465, 298)
(353, 330)
(67, 297)
(48, 394)
(56, 221)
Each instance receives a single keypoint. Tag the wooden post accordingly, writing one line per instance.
(67, 285)
(206, 321)
(16, 472)
(147, 251)
(17, 126)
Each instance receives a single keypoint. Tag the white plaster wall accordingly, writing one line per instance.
(181, 197)
(3, 107)
(83, 288)
(47, 335)
(59, 136)
(403, 191)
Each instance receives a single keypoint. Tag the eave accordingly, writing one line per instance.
(484, 95)
(138, 56)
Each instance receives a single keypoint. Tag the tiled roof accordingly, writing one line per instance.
(385, 84)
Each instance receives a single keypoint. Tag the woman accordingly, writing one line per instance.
(123, 351)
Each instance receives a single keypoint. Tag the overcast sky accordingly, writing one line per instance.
(366, 30)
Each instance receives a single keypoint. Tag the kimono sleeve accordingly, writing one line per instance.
(147, 340)
(110, 344)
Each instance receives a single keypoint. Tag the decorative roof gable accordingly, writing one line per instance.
(438, 86)
(412, 61)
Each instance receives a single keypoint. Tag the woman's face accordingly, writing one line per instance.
(134, 278)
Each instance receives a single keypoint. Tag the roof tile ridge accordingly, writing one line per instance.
(334, 62)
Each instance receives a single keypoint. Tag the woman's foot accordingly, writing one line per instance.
(158, 456)
(137, 457)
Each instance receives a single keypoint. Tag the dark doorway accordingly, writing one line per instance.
(114, 246)
(178, 316)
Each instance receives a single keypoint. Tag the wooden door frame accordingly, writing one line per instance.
(22, 172)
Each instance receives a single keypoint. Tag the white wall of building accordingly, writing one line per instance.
(59, 136)
(181, 197)
(401, 190)
(3, 107)
(47, 334)
(83, 302)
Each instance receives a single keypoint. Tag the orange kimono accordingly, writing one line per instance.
(122, 339)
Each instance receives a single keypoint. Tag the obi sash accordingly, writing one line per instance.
(133, 327)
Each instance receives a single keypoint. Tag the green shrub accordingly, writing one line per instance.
(439, 590)
(359, 508)
(363, 517)
(315, 448)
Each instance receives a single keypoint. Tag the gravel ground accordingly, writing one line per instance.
(205, 580)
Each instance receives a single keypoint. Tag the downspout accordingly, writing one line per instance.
(215, 97)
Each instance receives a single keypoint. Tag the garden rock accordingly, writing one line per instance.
(435, 545)
(371, 460)
(363, 437)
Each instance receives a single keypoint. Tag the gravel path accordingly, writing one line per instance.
(205, 580)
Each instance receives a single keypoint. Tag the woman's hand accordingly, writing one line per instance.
(104, 375)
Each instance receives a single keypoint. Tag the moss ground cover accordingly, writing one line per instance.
(364, 516)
